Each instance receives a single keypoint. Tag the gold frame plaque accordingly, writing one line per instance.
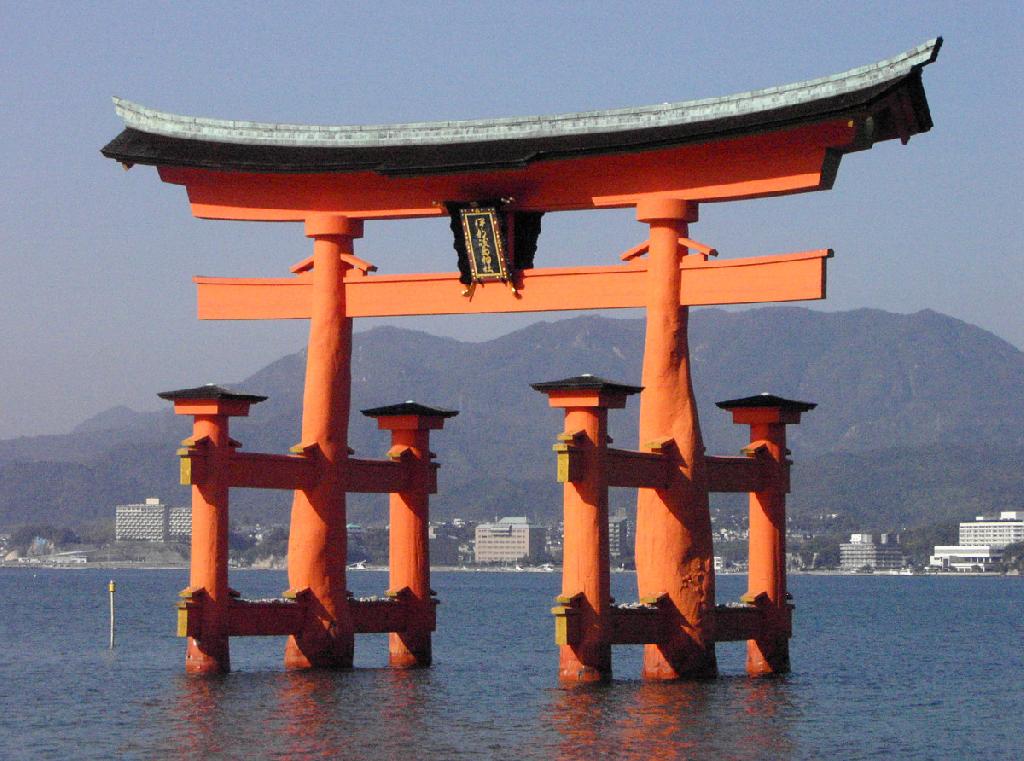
(485, 248)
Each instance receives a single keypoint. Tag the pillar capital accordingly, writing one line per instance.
(409, 415)
(210, 399)
(586, 391)
(765, 408)
(324, 224)
(656, 208)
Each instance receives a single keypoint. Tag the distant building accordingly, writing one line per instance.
(152, 521)
(1008, 528)
(507, 541)
(72, 557)
(982, 542)
(965, 558)
(620, 536)
(863, 551)
(179, 523)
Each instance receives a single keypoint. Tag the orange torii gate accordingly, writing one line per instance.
(494, 179)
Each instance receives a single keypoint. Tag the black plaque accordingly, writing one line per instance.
(484, 245)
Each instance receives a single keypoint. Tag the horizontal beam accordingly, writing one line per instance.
(638, 626)
(785, 277)
(737, 474)
(390, 615)
(745, 622)
(271, 471)
(245, 618)
(637, 469)
(771, 163)
(276, 471)
(737, 623)
(264, 619)
(377, 476)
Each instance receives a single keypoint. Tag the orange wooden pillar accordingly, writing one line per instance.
(674, 554)
(409, 547)
(318, 542)
(585, 654)
(768, 415)
(211, 406)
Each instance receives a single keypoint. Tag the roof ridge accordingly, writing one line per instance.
(153, 121)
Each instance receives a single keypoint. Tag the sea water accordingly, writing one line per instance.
(883, 667)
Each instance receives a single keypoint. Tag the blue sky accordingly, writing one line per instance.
(98, 305)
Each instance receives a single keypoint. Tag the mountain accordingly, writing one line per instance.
(920, 418)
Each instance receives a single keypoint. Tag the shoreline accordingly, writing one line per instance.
(128, 566)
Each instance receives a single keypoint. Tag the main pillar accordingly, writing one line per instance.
(674, 554)
(586, 399)
(211, 407)
(768, 415)
(408, 543)
(317, 545)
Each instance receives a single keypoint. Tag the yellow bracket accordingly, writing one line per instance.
(662, 445)
(399, 452)
(569, 463)
(192, 449)
(754, 448)
(567, 623)
(305, 448)
(758, 600)
(189, 611)
(185, 470)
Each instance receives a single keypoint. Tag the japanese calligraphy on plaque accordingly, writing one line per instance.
(484, 245)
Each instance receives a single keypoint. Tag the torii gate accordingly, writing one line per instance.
(663, 160)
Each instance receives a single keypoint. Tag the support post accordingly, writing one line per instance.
(586, 654)
(211, 407)
(408, 543)
(317, 545)
(768, 415)
(674, 554)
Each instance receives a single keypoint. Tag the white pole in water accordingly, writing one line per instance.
(112, 587)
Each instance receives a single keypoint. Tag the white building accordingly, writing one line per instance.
(620, 533)
(862, 551)
(965, 558)
(1008, 528)
(152, 521)
(982, 542)
(508, 540)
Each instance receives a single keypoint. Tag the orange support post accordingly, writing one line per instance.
(768, 415)
(584, 617)
(674, 554)
(409, 549)
(318, 540)
(207, 650)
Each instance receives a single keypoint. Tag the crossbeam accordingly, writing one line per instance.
(737, 474)
(783, 277)
(637, 469)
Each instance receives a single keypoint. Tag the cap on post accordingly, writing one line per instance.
(654, 207)
(324, 224)
(409, 414)
(586, 391)
(765, 408)
(210, 399)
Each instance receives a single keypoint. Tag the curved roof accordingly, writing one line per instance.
(889, 91)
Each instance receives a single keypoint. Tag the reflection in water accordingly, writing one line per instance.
(303, 714)
(384, 714)
(196, 713)
(733, 717)
(333, 715)
(492, 693)
(309, 700)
